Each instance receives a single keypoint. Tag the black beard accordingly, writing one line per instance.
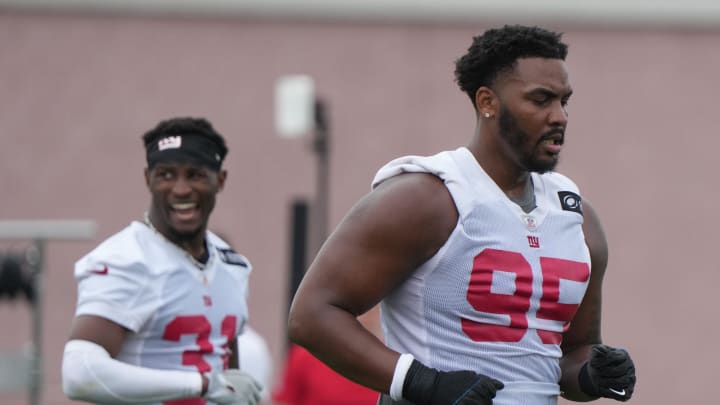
(516, 138)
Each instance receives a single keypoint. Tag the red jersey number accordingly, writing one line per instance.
(516, 304)
(199, 326)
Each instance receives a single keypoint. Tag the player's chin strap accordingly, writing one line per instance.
(90, 374)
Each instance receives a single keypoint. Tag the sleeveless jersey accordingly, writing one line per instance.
(180, 317)
(498, 294)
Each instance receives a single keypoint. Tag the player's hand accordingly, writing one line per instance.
(427, 386)
(232, 387)
(610, 373)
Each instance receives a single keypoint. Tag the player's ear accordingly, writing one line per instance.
(222, 176)
(486, 102)
(147, 177)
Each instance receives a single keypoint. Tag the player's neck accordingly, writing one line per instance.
(195, 246)
(515, 182)
(525, 198)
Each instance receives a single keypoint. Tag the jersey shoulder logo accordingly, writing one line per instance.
(229, 256)
(102, 271)
(570, 201)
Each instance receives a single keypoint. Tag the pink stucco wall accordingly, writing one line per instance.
(76, 93)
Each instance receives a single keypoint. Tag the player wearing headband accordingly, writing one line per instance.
(161, 302)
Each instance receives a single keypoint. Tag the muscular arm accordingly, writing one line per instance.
(584, 331)
(382, 240)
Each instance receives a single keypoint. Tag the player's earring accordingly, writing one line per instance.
(487, 115)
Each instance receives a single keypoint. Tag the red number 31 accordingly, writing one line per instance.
(199, 326)
(517, 304)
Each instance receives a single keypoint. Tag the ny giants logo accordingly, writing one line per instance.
(171, 142)
(533, 241)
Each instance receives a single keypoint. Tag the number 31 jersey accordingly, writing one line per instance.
(498, 294)
(180, 317)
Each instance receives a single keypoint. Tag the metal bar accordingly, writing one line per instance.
(40, 231)
(47, 229)
(686, 14)
(36, 367)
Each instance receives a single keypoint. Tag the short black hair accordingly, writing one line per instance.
(498, 49)
(186, 126)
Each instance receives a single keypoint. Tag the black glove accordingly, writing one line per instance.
(427, 386)
(609, 373)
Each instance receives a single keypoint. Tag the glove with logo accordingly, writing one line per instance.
(232, 387)
(427, 386)
(609, 373)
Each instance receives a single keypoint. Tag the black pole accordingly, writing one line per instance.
(321, 147)
(298, 249)
(298, 245)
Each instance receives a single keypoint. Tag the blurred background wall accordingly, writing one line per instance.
(80, 81)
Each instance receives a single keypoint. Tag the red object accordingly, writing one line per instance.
(102, 271)
(308, 381)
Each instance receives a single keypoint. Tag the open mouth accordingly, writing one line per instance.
(184, 211)
(553, 145)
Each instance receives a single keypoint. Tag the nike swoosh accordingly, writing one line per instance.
(102, 271)
(621, 392)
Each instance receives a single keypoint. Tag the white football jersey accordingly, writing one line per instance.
(498, 294)
(180, 317)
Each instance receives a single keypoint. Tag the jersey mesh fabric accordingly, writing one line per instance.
(474, 305)
(179, 316)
